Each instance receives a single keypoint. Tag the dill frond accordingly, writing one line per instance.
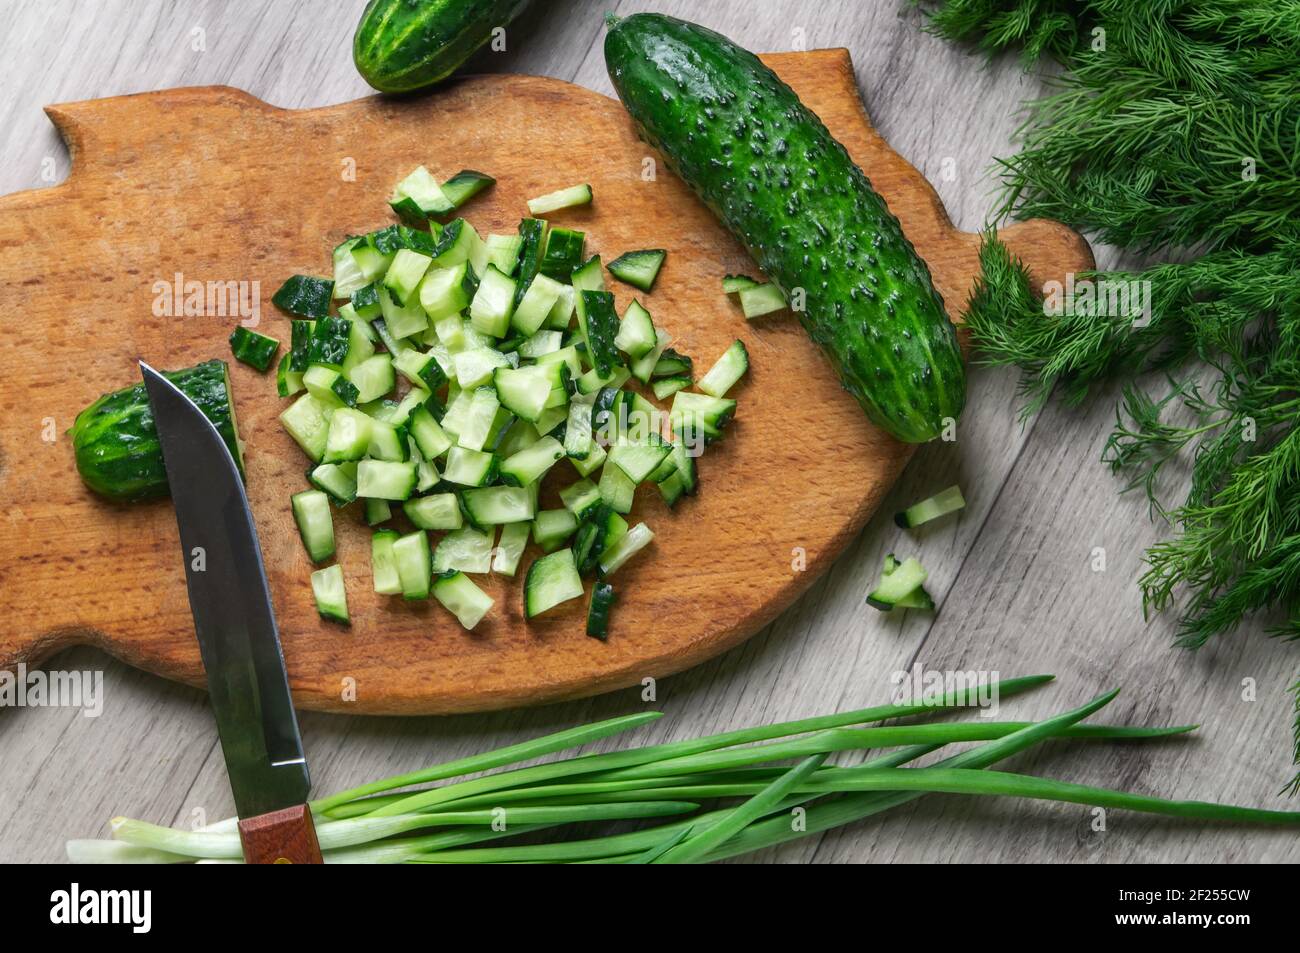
(1174, 126)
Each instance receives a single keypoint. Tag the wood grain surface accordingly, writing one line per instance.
(214, 185)
(287, 836)
(1012, 573)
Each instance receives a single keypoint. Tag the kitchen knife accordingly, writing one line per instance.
(235, 625)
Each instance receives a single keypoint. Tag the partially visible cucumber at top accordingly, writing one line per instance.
(765, 164)
(401, 45)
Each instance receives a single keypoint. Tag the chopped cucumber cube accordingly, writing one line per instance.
(494, 505)
(469, 467)
(377, 511)
(899, 581)
(414, 564)
(665, 387)
(402, 321)
(638, 268)
(695, 414)
(301, 334)
(493, 304)
(473, 430)
(552, 527)
(601, 330)
(348, 278)
(331, 595)
(941, 504)
(578, 438)
(636, 334)
(580, 498)
(311, 511)
(421, 369)
(616, 488)
(438, 511)
(530, 464)
(562, 311)
(500, 251)
(639, 460)
(305, 296)
(424, 194)
(307, 421)
(330, 339)
(592, 462)
(524, 391)
(673, 364)
(510, 548)
(551, 580)
(445, 292)
(459, 596)
(643, 368)
(330, 387)
(405, 274)
(475, 366)
(602, 599)
(429, 436)
(456, 243)
(339, 480)
(733, 284)
(535, 307)
(373, 377)
(730, 368)
(383, 562)
(348, 437)
(637, 538)
(466, 549)
(541, 343)
(464, 185)
(255, 350)
(563, 253)
(563, 198)
(761, 299)
(390, 442)
(385, 479)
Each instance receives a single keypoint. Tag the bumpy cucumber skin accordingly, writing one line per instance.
(401, 45)
(116, 444)
(765, 164)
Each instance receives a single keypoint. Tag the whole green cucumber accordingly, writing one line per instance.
(765, 164)
(401, 45)
(116, 444)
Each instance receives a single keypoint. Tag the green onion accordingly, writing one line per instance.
(454, 823)
(966, 781)
(762, 803)
(854, 807)
(636, 756)
(511, 754)
(362, 830)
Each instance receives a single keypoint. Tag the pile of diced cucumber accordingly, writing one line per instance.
(459, 371)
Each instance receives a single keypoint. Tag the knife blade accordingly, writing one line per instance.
(235, 625)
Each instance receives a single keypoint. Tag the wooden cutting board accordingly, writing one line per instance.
(216, 186)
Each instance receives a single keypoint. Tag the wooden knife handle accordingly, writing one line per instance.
(281, 837)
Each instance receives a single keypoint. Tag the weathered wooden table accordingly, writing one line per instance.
(1016, 574)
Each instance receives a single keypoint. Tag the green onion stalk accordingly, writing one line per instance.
(691, 801)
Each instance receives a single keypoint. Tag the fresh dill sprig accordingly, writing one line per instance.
(1175, 126)
(1176, 123)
